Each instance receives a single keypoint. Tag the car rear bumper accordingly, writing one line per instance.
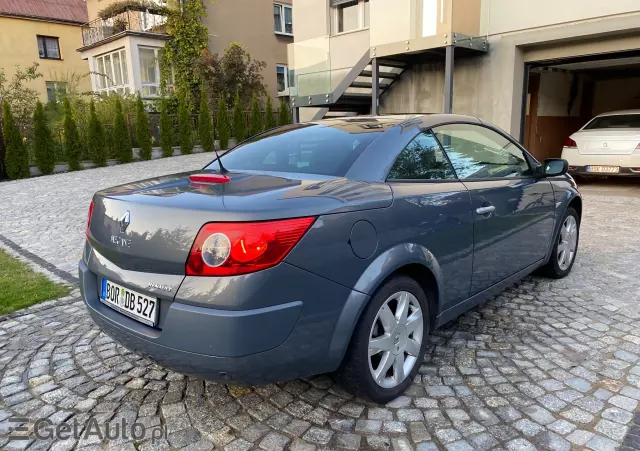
(579, 163)
(298, 337)
(623, 172)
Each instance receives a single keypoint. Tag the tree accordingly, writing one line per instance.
(186, 127)
(256, 117)
(239, 120)
(284, 118)
(222, 124)
(205, 124)
(121, 137)
(190, 38)
(232, 73)
(16, 158)
(96, 138)
(72, 144)
(269, 120)
(143, 133)
(43, 142)
(166, 130)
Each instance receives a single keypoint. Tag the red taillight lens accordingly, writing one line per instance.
(87, 232)
(209, 178)
(233, 248)
(570, 143)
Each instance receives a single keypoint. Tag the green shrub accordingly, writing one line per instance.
(72, 145)
(205, 124)
(16, 157)
(121, 138)
(143, 133)
(284, 118)
(269, 120)
(255, 116)
(186, 127)
(43, 147)
(96, 138)
(166, 130)
(239, 121)
(222, 124)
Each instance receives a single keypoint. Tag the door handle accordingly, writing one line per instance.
(485, 210)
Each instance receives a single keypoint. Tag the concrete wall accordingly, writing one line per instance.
(19, 46)
(251, 23)
(555, 89)
(616, 94)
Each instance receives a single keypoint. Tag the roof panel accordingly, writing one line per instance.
(64, 10)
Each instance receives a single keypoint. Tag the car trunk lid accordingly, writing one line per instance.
(607, 142)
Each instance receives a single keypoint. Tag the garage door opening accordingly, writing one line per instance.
(564, 95)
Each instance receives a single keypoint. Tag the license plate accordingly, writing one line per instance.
(604, 169)
(131, 303)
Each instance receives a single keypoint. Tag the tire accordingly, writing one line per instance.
(356, 371)
(555, 269)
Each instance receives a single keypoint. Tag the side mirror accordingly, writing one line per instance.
(555, 166)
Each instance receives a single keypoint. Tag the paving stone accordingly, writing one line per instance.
(577, 415)
(483, 442)
(623, 402)
(318, 436)
(580, 437)
(528, 427)
(611, 429)
(618, 415)
(552, 442)
(561, 427)
(368, 426)
(520, 444)
(539, 414)
(348, 441)
(599, 443)
(274, 442)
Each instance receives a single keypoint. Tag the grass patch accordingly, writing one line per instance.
(21, 287)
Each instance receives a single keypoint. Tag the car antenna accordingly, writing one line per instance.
(223, 170)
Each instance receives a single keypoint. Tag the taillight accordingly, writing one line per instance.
(570, 143)
(87, 232)
(209, 178)
(233, 248)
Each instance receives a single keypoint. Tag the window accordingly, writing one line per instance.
(111, 72)
(301, 148)
(615, 121)
(282, 78)
(479, 152)
(150, 71)
(422, 159)
(55, 89)
(282, 19)
(49, 47)
(350, 15)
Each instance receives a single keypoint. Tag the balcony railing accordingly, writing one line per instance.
(134, 21)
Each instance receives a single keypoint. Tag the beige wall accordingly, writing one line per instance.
(502, 16)
(19, 46)
(251, 23)
(312, 17)
(93, 6)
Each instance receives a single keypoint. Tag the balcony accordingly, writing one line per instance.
(130, 21)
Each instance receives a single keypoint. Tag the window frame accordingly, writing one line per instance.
(125, 87)
(362, 25)
(530, 159)
(286, 79)
(283, 23)
(44, 43)
(56, 88)
(157, 67)
(426, 131)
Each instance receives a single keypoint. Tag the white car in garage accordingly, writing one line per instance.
(609, 145)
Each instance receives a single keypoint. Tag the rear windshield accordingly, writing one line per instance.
(615, 121)
(303, 148)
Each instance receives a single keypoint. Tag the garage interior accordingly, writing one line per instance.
(564, 94)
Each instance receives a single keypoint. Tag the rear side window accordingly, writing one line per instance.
(615, 121)
(478, 152)
(422, 159)
(303, 148)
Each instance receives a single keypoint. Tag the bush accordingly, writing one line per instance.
(121, 137)
(239, 121)
(256, 116)
(143, 133)
(186, 128)
(222, 124)
(16, 157)
(43, 147)
(284, 118)
(269, 120)
(166, 130)
(96, 138)
(205, 125)
(72, 145)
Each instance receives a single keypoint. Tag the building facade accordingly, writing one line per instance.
(538, 69)
(47, 33)
(122, 50)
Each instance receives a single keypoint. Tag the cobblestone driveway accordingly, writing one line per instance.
(545, 365)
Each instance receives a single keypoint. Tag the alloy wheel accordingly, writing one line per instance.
(568, 242)
(395, 339)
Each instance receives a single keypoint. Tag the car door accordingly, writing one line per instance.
(513, 209)
(433, 209)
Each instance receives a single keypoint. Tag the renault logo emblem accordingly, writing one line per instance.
(125, 221)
